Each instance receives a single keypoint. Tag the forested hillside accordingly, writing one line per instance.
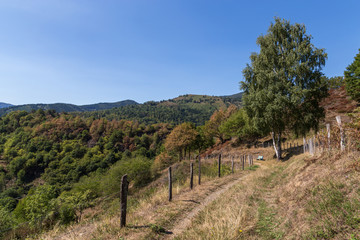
(45, 147)
(49, 158)
(187, 108)
(4, 105)
(63, 107)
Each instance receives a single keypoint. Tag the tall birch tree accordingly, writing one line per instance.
(283, 84)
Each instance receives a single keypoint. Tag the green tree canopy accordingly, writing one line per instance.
(240, 125)
(283, 84)
(352, 78)
(334, 82)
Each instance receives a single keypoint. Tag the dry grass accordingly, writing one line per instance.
(280, 200)
(149, 212)
(234, 211)
(289, 200)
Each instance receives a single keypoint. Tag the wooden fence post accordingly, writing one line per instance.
(123, 199)
(304, 144)
(342, 134)
(191, 175)
(219, 166)
(170, 185)
(199, 170)
(232, 164)
(243, 162)
(328, 135)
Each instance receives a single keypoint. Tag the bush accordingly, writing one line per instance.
(36, 205)
(72, 204)
(162, 161)
(137, 169)
(6, 220)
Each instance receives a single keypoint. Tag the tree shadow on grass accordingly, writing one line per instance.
(153, 227)
(292, 152)
(190, 200)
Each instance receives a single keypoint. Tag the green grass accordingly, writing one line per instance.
(334, 211)
(267, 224)
(253, 167)
(274, 178)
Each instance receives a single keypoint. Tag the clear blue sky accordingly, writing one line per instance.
(81, 52)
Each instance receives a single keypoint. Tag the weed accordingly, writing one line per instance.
(157, 228)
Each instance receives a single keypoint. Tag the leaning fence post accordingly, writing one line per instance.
(219, 166)
(199, 170)
(191, 175)
(232, 164)
(243, 162)
(170, 184)
(123, 199)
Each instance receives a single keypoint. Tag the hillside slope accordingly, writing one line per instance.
(306, 197)
(64, 107)
(5, 105)
(338, 103)
(303, 198)
(187, 108)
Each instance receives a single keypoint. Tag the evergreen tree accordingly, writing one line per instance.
(352, 78)
(283, 84)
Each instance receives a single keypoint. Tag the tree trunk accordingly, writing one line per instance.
(277, 145)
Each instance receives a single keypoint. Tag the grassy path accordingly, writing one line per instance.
(185, 220)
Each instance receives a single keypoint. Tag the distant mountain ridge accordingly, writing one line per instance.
(64, 107)
(185, 108)
(5, 105)
(189, 107)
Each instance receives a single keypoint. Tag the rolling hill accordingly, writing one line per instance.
(5, 105)
(186, 108)
(64, 107)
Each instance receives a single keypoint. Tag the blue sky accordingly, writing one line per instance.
(84, 52)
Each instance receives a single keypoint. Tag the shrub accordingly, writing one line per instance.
(36, 205)
(137, 169)
(6, 220)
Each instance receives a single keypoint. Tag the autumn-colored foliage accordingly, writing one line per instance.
(212, 127)
(181, 139)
